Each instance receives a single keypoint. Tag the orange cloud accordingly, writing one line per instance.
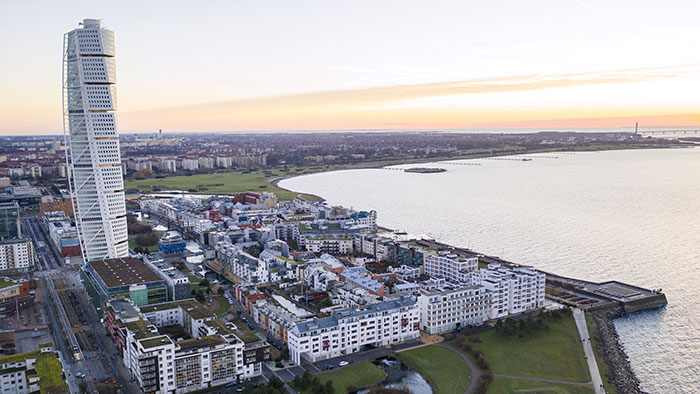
(372, 108)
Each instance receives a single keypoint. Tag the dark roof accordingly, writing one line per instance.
(123, 271)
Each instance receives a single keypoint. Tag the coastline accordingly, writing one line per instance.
(485, 155)
(613, 354)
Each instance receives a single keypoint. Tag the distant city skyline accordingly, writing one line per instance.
(329, 65)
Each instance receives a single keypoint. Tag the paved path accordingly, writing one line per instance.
(580, 320)
(545, 380)
(476, 373)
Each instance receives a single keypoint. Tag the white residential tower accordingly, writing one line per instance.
(90, 130)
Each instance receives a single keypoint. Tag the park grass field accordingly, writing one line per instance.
(444, 369)
(355, 375)
(553, 354)
(221, 183)
(501, 385)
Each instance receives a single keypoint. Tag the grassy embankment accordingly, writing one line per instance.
(354, 375)
(550, 354)
(443, 369)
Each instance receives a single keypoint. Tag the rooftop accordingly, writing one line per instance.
(210, 340)
(155, 341)
(123, 271)
(193, 308)
(332, 320)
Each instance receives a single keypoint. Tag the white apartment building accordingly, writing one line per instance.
(513, 290)
(16, 255)
(236, 261)
(168, 165)
(90, 131)
(349, 330)
(206, 162)
(190, 164)
(224, 161)
(451, 267)
(213, 356)
(18, 373)
(453, 307)
(329, 245)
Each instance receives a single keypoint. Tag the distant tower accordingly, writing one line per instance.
(160, 133)
(90, 132)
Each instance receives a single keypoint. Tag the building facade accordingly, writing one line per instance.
(513, 290)
(90, 130)
(16, 255)
(453, 308)
(451, 267)
(207, 354)
(349, 330)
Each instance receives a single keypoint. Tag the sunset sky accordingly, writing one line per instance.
(337, 65)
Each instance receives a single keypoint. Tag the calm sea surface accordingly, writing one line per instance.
(632, 216)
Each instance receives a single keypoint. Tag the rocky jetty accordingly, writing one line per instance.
(619, 368)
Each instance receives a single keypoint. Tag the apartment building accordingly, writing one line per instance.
(451, 308)
(513, 290)
(236, 261)
(16, 255)
(21, 374)
(329, 245)
(177, 282)
(349, 331)
(451, 267)
(205, 352)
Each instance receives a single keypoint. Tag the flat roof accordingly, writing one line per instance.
(192, 307)
(123, 271)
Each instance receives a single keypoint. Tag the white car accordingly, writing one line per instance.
(343, 363)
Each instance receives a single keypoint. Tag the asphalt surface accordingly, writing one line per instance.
(580, 320)
(97, 365)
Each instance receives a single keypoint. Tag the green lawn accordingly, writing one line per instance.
(49, 368)
(553, 354)
(602, 366)
(223, 307)
(356, 375)
(507, 386)
(444, 369)
(223, 183)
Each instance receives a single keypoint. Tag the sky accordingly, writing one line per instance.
(348, 65)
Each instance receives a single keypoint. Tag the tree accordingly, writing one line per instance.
(329, 387)
(220, 291)
(147, 239)
(204, 283)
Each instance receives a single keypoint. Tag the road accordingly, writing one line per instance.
(97, 365)
(580, 320)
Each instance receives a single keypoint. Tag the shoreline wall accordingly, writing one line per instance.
(620, 371)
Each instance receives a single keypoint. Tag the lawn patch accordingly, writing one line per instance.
(554, 354)
(355, 375)
(444, 369)
(501, 385)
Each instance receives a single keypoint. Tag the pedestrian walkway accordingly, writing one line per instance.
(580, 320)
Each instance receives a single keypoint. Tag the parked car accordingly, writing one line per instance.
(343, 363)
(329, 366)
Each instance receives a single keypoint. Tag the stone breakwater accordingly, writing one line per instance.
(619, 369)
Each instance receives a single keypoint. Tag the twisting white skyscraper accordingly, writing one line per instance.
(90, 130)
